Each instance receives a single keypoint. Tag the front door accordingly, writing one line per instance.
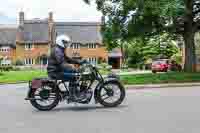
(44, 61)
(114, 62)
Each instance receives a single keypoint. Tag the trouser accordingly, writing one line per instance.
(68, 75)
(56, 75)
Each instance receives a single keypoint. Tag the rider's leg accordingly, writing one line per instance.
(69, 75)
(56, 75)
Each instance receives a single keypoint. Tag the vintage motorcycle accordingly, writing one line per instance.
(45, 94)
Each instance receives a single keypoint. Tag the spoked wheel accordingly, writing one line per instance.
(44, 98)
(111, 94)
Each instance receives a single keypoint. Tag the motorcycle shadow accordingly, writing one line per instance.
(86, 108)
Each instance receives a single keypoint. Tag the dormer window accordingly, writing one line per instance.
(76, 45)
(28, 46)
(92, 45)
(4, 49)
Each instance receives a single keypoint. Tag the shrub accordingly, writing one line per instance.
(105, 67)
(6, 68)
(19, 63)
(16, 69)
(177, 58)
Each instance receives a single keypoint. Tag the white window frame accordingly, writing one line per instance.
(92, 60)
(6, 62)
(28, 61)
(92, 45)
(76, 46)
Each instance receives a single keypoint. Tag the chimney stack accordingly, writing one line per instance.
(50, 19)
(103, 20)
(51, 29)
(21, 18)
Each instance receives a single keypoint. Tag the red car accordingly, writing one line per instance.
(161, 65)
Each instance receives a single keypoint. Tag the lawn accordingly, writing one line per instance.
(14, 76)
(171, 77)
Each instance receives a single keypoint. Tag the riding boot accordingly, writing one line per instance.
(76, 95)
(73, 91)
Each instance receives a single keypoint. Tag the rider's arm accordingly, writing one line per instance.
(71, 61)
(63, 59)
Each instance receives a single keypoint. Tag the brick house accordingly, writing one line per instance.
(35, 37)
(31, 40)
(7, 44)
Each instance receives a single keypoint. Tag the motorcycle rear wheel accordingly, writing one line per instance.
(40, 107)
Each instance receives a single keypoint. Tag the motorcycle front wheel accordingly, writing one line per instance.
(111, 94)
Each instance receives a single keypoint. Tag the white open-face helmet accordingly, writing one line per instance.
(63, 41)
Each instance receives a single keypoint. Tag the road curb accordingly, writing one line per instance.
(147, 86)
(161, 85)
(20, 82)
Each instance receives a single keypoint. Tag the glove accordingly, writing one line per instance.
(83, 62)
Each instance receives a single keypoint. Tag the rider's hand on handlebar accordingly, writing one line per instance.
(76, 66)
(83, 62)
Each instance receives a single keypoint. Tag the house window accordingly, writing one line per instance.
(92, 60)
(6, 62)
(28, 46)
(76, 45)
(92, 45)
(28, 61)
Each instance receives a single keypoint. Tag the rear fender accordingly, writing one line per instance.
(38, 83)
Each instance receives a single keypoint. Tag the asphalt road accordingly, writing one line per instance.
(165, 110)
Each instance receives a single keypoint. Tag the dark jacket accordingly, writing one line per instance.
(57, 59)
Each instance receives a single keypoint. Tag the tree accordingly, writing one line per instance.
(163, 47)
(134, 53)
(146, 18)
(187, 24)
(139, 52)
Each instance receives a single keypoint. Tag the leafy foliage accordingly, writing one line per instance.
(145, 19)
(160, 46)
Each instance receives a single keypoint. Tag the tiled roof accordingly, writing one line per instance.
(8, 36)
(80, 32)
(34, 31)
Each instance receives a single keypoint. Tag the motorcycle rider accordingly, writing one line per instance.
(59, 63)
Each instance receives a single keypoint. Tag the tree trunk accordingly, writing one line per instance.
(122, 51)
(190, 54)
(189, 33)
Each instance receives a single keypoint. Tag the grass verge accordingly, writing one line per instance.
(18, 76)
(148, 78)
(159, 78)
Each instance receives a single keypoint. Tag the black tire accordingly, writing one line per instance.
(118, 102)
(44, 108)
(153, 71)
